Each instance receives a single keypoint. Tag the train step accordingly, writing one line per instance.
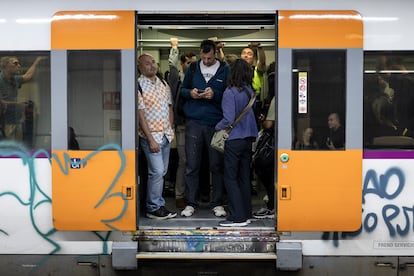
(222, 256)
(214, 242)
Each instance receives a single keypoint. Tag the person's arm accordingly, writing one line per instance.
(32, 69)
(270, 118)
(220, 52)
(261, 57)
(268, 124)
(173, 57)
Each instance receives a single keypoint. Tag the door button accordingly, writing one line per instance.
(284, 157)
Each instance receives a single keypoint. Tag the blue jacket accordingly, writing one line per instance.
(204, 112)
(234, 101)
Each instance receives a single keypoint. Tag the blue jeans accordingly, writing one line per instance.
(237, 158)
(157, 169)
(196, 137)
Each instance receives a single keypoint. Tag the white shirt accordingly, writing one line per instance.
(209, 71)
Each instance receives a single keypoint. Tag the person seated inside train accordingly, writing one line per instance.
(307, 142)
(336, 138)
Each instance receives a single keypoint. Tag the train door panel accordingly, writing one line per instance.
(319, 186)
(94, 186)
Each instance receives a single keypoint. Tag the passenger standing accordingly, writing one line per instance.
(255, 56)
(12, 111)
(336, 138)
(203, 93)
(238, 146)
(174, 79)
(156, 133)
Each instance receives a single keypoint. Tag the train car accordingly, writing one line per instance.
(72, 177)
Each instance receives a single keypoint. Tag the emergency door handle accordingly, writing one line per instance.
(128, 192)
(284, 192)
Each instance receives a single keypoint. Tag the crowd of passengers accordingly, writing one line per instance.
(197, 99)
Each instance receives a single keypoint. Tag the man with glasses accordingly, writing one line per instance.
(11, 111)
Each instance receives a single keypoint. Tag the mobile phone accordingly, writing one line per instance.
(200, 91)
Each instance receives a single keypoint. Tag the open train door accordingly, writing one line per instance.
(320, 69)
(93, 86)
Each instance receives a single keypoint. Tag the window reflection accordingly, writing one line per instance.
(25, 98)
(388, 100)
(94, 99)
(318, 100)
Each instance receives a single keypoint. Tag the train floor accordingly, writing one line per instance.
(203, 217)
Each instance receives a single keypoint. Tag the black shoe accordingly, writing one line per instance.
(161, 213)
(264, 213)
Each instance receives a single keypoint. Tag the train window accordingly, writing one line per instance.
(94, 98)
(388, 100)
(318, 100)
(25, 99)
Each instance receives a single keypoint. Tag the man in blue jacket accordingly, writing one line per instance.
(203, 87)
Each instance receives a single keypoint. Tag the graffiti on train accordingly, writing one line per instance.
(33, 198)
(393, 211)
(65, 163)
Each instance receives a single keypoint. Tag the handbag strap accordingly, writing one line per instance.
(244, 111)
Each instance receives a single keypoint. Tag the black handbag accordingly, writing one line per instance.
(264, 154)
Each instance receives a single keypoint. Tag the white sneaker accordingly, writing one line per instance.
(219, 211)
(188, 211)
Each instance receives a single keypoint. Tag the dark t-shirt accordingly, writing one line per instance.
(337, 137)
(8, 92)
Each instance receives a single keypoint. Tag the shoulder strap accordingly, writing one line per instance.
(244, 111)
(161, 79)
(139, 88)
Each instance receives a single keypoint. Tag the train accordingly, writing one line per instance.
(77, 210)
